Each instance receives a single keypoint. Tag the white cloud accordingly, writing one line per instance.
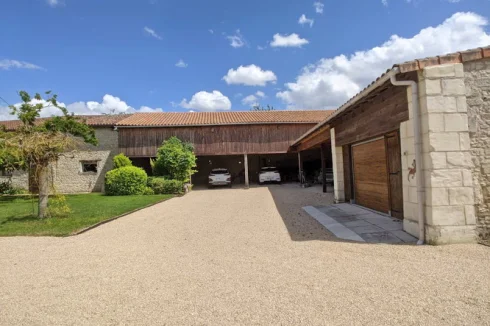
(181, 64)
(330, 82)
(211, 31)
(318, 7)
(251, 75)
(152, 32)
(253, 99)
(303, 20)
(110, 105)
(54, 3)
(385, 3)
(292, 40)
(260, 48)
(205, 101)
(237, 40)
(7, 64)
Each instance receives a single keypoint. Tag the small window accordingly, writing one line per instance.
(5, 173)
(89, 166)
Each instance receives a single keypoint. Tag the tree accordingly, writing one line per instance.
(261, 108)
(175, 160)
(38, 143)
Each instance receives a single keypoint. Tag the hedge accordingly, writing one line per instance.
(163, 186)
(127, 180)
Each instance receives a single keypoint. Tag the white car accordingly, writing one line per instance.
(269, 174)
(219, 177)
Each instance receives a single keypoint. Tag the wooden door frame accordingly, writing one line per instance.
(396, 133)
(352, 163)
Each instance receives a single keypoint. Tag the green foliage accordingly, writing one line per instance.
(148, 191)
(128, 180)
(121, 160)
(162, 186)
(6, 188)
(261, 108)
(58, 206)
(175, 160)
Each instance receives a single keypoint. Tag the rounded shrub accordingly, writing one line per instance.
(128, 180)
(163, 186)
(121, 160)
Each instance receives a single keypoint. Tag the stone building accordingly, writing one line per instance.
(415, 144)
(82, 170)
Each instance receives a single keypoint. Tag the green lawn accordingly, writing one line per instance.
(18, 214)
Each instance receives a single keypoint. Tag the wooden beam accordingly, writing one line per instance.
(314, 139)
(245, 162)
(300, 167)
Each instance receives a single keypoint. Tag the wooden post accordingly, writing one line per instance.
(324, 168)
(245, 163)
(300, 167)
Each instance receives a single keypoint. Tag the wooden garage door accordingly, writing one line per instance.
(370, 175)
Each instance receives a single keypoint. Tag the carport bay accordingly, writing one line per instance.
(231, 140)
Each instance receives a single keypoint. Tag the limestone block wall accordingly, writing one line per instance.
(338, 169)
(477, 86)
(68, 176)
(407, 146)
(449, 197)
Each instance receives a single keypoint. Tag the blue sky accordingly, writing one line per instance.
(121, 55)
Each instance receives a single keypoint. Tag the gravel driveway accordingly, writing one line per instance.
(234, 256)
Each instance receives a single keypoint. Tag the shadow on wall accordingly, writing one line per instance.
(289, 200)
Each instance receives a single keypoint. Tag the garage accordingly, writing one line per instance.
(370, 175)
(376, 167)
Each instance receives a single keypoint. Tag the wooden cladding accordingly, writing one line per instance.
(314, 140)
(214, 140)
(371, 176)
(379, 116)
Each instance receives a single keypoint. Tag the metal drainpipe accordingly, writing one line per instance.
(418, 151)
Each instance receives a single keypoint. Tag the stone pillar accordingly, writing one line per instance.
(449, 200)
(338, 170)
(245, 164)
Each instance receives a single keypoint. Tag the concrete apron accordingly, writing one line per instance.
(351, 222)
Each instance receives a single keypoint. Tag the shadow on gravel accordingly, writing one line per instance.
(301, 227)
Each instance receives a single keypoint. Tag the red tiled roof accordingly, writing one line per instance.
(222, 118)
(91, 120)
(457, 57)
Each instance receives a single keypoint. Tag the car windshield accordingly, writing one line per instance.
(269, 169)
(219, 171)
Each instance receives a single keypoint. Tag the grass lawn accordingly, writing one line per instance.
(18, 214)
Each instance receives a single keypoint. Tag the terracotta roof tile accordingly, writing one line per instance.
(91, 120)
(457, 57)
(223, 118)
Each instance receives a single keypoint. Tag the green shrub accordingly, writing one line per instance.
(128, 180)
(175, 160)
(58, 207)
(162, 186)
(121, 160)
(6, 188)
(148, 191)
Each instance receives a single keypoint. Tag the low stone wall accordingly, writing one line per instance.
(477, 83)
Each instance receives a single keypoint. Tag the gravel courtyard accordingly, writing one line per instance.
(237, 257)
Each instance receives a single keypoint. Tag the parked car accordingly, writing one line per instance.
(219, 177)
(269, 174)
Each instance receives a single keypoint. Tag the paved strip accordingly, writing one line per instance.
(339, 230)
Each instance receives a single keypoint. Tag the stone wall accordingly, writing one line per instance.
(19, 179)
(67, 172)
(477, 83)
(449, 199)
